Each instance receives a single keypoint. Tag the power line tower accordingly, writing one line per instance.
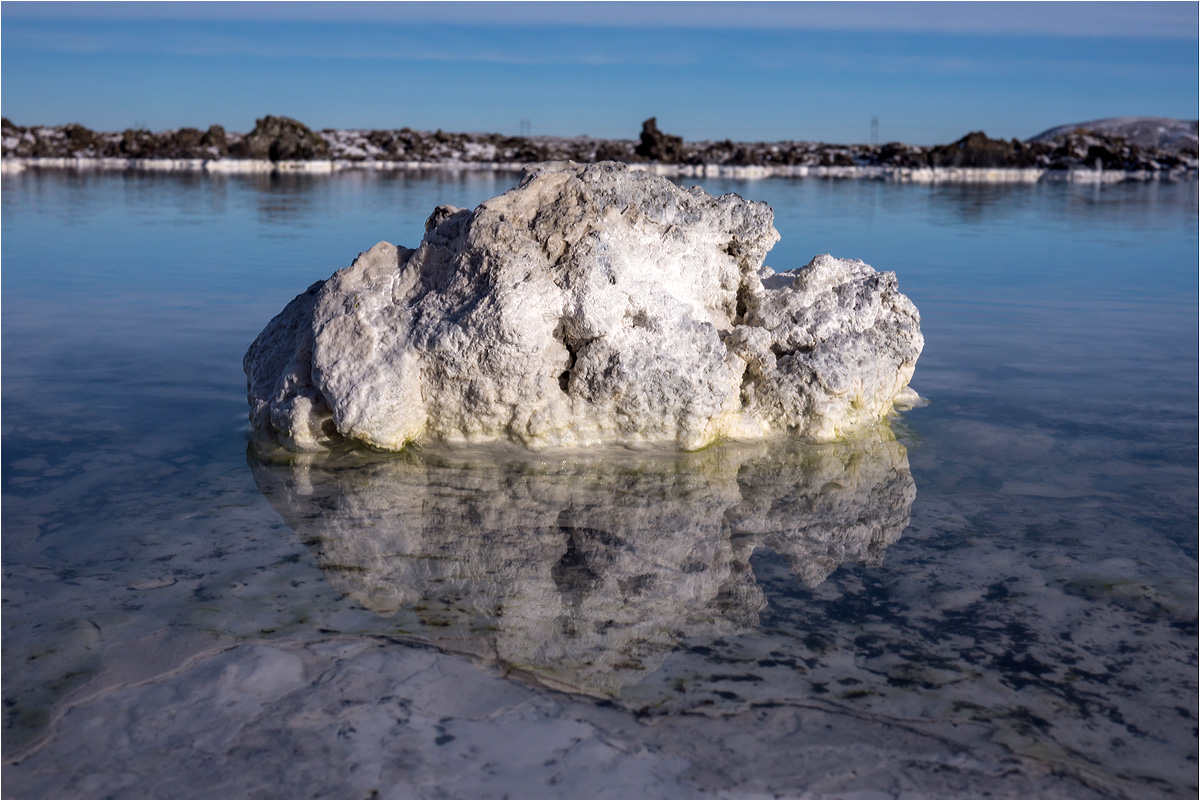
(526, 127)
(874, 130)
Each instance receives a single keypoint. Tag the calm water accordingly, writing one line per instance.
(996, 595)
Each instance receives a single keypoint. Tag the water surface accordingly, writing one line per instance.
(994, 594)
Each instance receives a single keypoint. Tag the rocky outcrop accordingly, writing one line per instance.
(1165, 149)
(214, 140)
(658, 146)
(281, 139)
(978, 150)
(1090, 150)
(590, 304)
(76, 141)
(584, 575)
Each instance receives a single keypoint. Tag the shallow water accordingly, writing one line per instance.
(994, 595)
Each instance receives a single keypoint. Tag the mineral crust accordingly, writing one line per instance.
(589, 304)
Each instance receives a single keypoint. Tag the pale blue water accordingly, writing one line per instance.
(1025, 626)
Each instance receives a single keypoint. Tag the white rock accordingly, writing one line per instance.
(589, 304)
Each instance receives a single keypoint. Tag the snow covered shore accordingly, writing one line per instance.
(914, 175)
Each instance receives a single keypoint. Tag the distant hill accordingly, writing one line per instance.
(1161, 132)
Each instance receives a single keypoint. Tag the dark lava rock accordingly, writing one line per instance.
(80, 139)
(214, 138)
(742, 154)
(659, 146)
(977, 150)
(18, 141)
(612, 151)
(898, 154)
(837, 158)
(281, 139)
(385, 141)
(714, 153)
(182, 144)
(1108, 158)
(138, 144)
(528, 151)
(1091, 149)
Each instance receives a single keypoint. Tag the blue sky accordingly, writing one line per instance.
(750, 71)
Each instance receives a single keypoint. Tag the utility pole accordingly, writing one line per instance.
(874, 130)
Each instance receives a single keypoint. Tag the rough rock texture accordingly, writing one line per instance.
(214, 138)
(589, 304)
(1084, 148)
(978, 150)
(585, 574)
(281, 139)
(658, 146)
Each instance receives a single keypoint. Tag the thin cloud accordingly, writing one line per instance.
(436, 44)
(1163, 20)
(337, 42)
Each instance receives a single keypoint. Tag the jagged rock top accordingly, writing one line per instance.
(589, 304)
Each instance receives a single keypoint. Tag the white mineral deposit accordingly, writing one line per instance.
(590, 304)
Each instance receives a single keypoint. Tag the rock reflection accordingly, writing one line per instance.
(584, 572)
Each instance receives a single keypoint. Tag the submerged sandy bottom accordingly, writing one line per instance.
(274, 662)
(1001, 601)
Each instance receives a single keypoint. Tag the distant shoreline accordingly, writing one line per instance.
(1107, 152)
(907, 175)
